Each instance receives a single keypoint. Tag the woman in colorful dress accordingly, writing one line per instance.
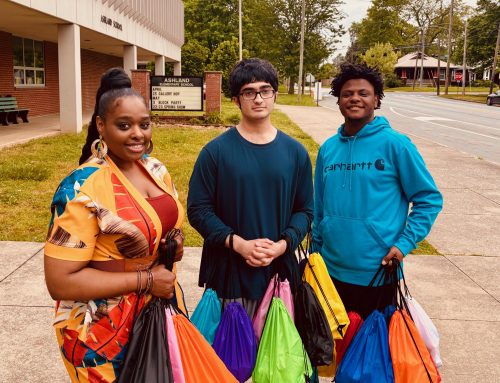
(108, 220)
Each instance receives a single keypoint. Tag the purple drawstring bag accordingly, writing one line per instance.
(235, 341)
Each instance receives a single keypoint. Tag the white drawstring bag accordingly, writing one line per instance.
(426, 328)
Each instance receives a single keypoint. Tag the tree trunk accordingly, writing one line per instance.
(291, 86)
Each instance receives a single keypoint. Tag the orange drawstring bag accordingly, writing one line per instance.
(199, 360)
(411, 360)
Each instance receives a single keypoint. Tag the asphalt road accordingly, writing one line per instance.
(469, 127)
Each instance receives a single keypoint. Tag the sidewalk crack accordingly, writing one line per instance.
(477, 284)
(21, 265)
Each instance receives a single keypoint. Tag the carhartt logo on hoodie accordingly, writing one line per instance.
(378, 164)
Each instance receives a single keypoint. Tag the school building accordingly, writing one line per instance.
(53, 52)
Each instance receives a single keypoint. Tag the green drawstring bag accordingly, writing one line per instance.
(281, 356)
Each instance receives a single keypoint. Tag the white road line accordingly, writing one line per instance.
(446, 126)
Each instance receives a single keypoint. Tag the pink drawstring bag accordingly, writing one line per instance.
(173, 348)
(275, 288)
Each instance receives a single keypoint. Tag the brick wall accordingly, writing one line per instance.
(93, 66)
(213, 81)
(45, 100)
(141, 83)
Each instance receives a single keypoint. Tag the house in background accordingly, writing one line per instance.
(408, 69)
(53, 52)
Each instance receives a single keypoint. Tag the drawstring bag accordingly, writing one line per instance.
(285, 294)
(411, 359)
(368, 360)
(148, 358)
(281, 357)
(313, 327)
(206, 316)
(341, 345)
(200, 363)
(173, 347)
(316, 274)
(426, 328)
(235, 341)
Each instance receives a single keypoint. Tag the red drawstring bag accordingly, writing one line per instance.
(341, 345)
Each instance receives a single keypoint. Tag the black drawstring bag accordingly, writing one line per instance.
(312, 325)
(148, 358)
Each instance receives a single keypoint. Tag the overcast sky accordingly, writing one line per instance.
(355, 10)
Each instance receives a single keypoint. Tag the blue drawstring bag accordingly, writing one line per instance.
(368, 359)
(235, 341)
(206, 316)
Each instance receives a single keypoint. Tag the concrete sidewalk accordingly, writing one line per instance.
(460, 290)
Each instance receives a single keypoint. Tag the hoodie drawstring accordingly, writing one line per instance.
(349, 157)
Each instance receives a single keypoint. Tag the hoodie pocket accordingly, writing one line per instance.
(351, 240)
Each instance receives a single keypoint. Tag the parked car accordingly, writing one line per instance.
(493, 98)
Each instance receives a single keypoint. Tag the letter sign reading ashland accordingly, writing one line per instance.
(176, 93)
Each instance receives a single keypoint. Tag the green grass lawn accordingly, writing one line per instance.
(30, 172)
(451, 89)
(479, 98)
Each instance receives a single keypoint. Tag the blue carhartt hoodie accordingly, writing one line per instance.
(364, 186)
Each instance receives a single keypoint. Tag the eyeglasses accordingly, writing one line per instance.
(251, 95)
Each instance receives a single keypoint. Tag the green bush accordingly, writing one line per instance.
(392, 81)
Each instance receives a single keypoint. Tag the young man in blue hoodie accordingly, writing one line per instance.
(253, 181)
(367, 177)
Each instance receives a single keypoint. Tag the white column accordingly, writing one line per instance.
(177, 69)
(70, 78)
(129, 58)
(160, 66)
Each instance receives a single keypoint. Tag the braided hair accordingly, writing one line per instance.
(114, 78)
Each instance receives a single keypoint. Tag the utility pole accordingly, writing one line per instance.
(464, 71)
(421, 80)
(493, 70)
(450, 28)
(301, 58)
(439, 66)
(240, 30)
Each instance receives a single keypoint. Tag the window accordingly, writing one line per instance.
(28, 62)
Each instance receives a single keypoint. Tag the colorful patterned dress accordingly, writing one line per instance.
(99, 216)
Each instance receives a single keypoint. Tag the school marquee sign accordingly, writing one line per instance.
(176, 93)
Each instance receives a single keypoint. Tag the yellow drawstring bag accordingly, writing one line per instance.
(316, 274)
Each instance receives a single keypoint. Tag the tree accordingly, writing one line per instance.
(194, 58)
(384, 23)
(223, 59)
(275, 29)
(482, 34)
(210, 22)
(382, 57)
(325, 71)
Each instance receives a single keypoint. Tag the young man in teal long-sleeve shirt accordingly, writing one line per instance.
(367, 176)
(253, 181)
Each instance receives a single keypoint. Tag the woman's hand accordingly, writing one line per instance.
(163, 282)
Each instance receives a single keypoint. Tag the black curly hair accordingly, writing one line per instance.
(350, 71)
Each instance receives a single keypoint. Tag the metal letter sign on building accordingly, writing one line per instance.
(176, 93)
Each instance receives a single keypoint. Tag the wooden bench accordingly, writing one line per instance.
(9, 112)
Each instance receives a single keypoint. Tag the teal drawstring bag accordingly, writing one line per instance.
(206, 316)
(281, 356)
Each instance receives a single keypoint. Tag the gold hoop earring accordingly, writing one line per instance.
(99, 148)
(149, 149)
